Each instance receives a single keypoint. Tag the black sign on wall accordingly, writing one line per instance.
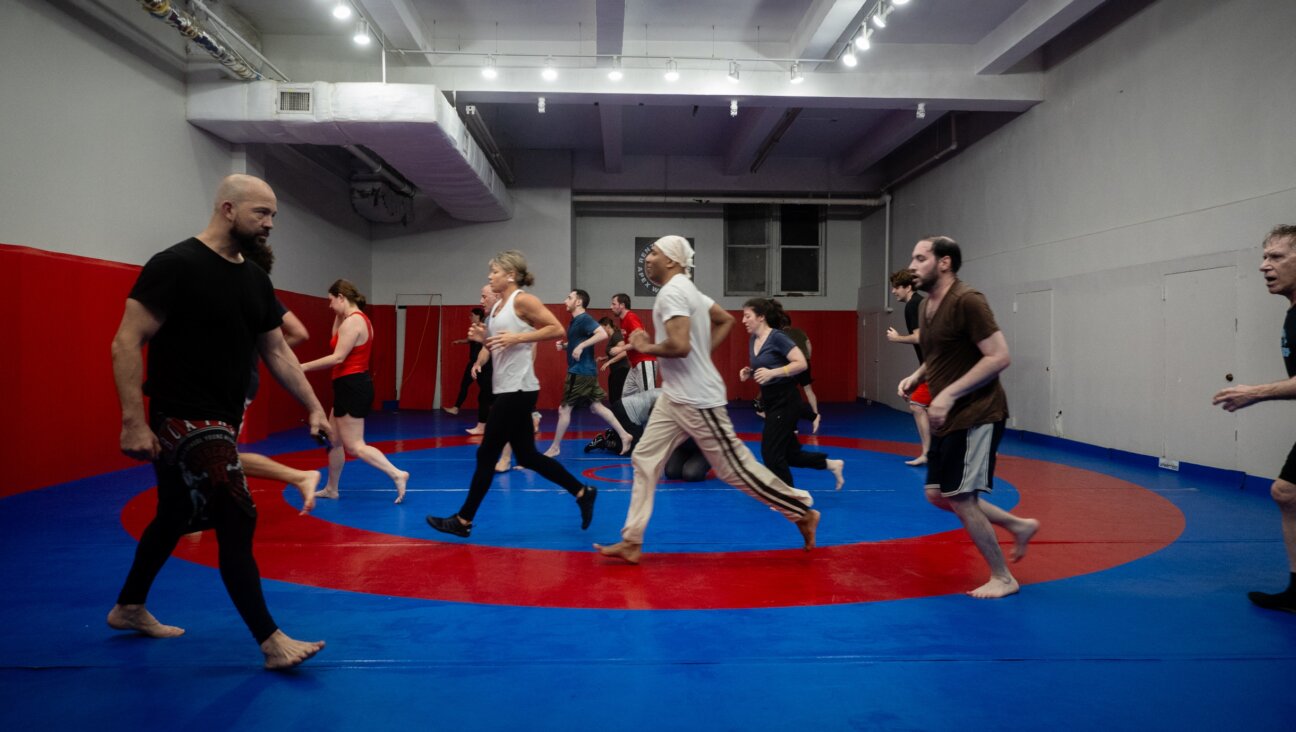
(642, 244)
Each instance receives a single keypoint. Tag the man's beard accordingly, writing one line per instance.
(255, 248)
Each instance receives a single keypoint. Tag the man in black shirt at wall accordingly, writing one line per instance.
(1278, 265)
(202, 307)
(902, 288)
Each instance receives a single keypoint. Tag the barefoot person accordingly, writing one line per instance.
(474, 349)
(353, 390)
(294, 332)
(582, 387)
(775, 363)
(963, 353)
(1279, 269)
(902, 288)
(643, 366)
(513, 326)
(203, 309)
(804, 379)
(689, 326)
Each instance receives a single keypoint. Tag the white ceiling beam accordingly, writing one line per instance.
(610, 33)
(754, 127)
(1026, 31)
(890, 133)
(400, 22)
(613, 132)
(827, 25)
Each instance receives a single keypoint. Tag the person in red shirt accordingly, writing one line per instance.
(643, 368)
(353, 391)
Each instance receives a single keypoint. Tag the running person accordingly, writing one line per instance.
(514, 325)
(902, 288)
(474, 349)
(616, 365)
(1279, 269)
(353, 390)
(804, 379)
(581, 387)
(689, 326)
(963, 354)
(643, 366)
(776, 361)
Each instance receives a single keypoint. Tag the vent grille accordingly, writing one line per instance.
(295, 101)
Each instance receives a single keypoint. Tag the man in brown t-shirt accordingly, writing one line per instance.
(963, 353)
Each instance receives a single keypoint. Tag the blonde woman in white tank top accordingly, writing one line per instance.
(515, 325)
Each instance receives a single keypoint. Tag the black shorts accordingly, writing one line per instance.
(963, 461)
(1289, 468)
(198, 460)
(353, 395)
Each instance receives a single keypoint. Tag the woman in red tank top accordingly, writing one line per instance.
(353, 391)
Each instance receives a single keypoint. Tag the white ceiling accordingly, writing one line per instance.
(961, 57)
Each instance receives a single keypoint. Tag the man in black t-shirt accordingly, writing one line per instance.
(1278, 265)
(902, 288)
(203, 309)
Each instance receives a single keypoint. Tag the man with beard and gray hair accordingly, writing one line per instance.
(203, 310)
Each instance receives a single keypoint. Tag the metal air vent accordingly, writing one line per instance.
(295, 101)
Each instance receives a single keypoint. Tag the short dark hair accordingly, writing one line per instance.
(622, 298)
(902, 278)
(583, 295)
(943, 246)
(481, 314)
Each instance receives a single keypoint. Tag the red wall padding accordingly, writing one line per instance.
(63, 420)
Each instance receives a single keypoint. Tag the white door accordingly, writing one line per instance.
(870, 324)
(1200, 316)
(1030, 378)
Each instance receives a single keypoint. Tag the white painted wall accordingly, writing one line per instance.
(99, 161)
(1165, 146)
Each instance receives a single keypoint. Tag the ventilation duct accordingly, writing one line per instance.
(410, 126)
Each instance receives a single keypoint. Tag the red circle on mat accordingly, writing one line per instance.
(1090, 522)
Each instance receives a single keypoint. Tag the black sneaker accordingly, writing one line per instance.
(586, 503)
(451, 525)
(1285, 601)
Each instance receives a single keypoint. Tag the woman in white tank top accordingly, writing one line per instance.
(513, 327)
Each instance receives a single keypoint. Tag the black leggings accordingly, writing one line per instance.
(510, 423)
(464, 383)
(780, 449)
(226, 507)
(485, 397)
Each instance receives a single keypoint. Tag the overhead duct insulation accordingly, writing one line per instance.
(410, 126)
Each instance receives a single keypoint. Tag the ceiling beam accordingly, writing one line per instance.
(755, 126)
(400, 23)
(826, 27)
(613, 133)
(610, 33)
(888, 134)
(1026, 31)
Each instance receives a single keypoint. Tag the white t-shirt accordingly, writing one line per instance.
(692, 380)
(515, 365)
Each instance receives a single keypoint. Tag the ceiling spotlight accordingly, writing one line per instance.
(922, 110)
(862, 40)
(361, 36)
(489, 71)
(879, 15)
(540, 105)
(615, 74)
(797, 78)
(733, 108)
(672, 70)
(898, 3)
(341, 11)
(733, 71)
(848, 57)
(549, 73)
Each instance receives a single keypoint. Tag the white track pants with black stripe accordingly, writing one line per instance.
(670, 424)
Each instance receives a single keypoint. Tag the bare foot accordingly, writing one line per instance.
(996, 588)
(837, 468)
(400, 481)
(815, 424)
(140, 620)
(622, 550)
(480, 429)
(920, 460)
(282, 652)
(807, 525)
(450, 410)
(554, 450)
(1022, 538)
(503, 465)
(327, 493)
(627, 443)
(535, 422)
(307, 489)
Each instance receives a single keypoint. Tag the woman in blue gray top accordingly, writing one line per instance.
(775, 362)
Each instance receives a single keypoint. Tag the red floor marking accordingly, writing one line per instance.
(1091, 522)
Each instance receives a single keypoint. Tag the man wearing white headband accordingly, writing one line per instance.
(689, 325)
